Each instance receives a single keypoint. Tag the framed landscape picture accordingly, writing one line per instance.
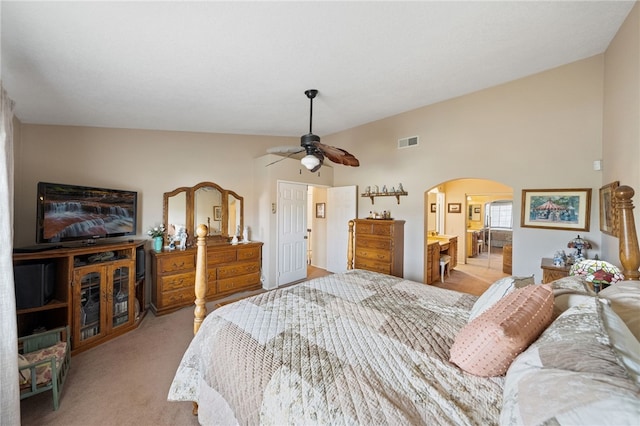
(568, 209)
(454, 208)
(608, 215)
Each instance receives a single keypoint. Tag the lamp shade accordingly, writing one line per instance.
(310, 161)
(579, 243)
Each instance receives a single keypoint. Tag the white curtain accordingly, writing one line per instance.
(9, 391)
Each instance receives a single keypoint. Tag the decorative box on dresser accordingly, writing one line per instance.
(230, 269)
(379, 245)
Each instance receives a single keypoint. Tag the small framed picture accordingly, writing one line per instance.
(217, 213)
(433, 207)
(320, 210)
(608, 213)
(454, 207)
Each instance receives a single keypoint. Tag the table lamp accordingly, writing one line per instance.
(579, 244)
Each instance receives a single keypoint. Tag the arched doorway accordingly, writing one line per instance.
(460, 211)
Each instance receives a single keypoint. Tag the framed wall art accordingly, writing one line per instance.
(568, 209)
(433, 207)
(320, 210)
(454, 207)
(608, 214)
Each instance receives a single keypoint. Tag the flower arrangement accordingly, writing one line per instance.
(157, 231)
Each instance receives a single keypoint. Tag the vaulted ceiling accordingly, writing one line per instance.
(243, 67)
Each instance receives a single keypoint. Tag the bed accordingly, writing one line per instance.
(367, 348)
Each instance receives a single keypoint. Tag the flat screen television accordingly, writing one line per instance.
(73, 212)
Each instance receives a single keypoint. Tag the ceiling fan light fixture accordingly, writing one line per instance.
(310, 161)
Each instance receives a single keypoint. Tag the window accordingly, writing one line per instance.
(499, 214)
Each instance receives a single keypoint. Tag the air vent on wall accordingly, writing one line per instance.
(408, 142)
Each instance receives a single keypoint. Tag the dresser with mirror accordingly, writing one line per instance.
(231, 267)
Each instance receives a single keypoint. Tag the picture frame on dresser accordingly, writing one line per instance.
(320, 210)
(568, 209)
(608, 216)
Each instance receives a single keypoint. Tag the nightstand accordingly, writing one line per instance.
(550, 272)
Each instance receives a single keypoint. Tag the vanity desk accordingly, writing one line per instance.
(436, 246)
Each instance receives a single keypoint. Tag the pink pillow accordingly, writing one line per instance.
(487, 345)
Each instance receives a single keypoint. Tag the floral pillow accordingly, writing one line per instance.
(598, 272)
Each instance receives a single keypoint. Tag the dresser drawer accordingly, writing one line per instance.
(377, 255)
(212, 290)
(375, 243)
(371, 227)
(217, 257)
(176, 263)
(177, 298)
(238, 269)
(178, 281)
(372, 265)
(249, 253)
(237, 283)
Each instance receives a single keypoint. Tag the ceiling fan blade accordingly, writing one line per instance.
(285, 149)
(338, 155)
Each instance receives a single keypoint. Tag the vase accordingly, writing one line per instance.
(157, 243)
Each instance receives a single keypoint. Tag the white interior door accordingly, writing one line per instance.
(341, 208)
(292, 232)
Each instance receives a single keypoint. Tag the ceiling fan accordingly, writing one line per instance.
(314, 149)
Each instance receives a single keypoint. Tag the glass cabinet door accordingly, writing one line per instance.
(89, 293)
(120, 296)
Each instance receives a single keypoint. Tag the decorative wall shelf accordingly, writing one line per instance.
(396, 194)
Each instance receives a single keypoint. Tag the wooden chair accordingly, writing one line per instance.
(44, 361)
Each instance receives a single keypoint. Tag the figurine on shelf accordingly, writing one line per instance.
(384, 189)
(375, 187)
(367, 190)
(400, 189)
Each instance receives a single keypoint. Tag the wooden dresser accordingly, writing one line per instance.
(379, 246)
(230, 269)
(550, 272)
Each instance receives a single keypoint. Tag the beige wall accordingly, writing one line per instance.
(150, 162)
(543, 131)
(621, 124)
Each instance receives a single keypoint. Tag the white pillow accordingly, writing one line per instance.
(623, 342)
(497, 291)
(625, 301)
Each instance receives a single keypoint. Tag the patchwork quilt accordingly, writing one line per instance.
(352, 348)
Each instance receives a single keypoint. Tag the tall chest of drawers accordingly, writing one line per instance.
(379, 246)
(230, 269)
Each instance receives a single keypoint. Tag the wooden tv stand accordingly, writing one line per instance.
(96, 292)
